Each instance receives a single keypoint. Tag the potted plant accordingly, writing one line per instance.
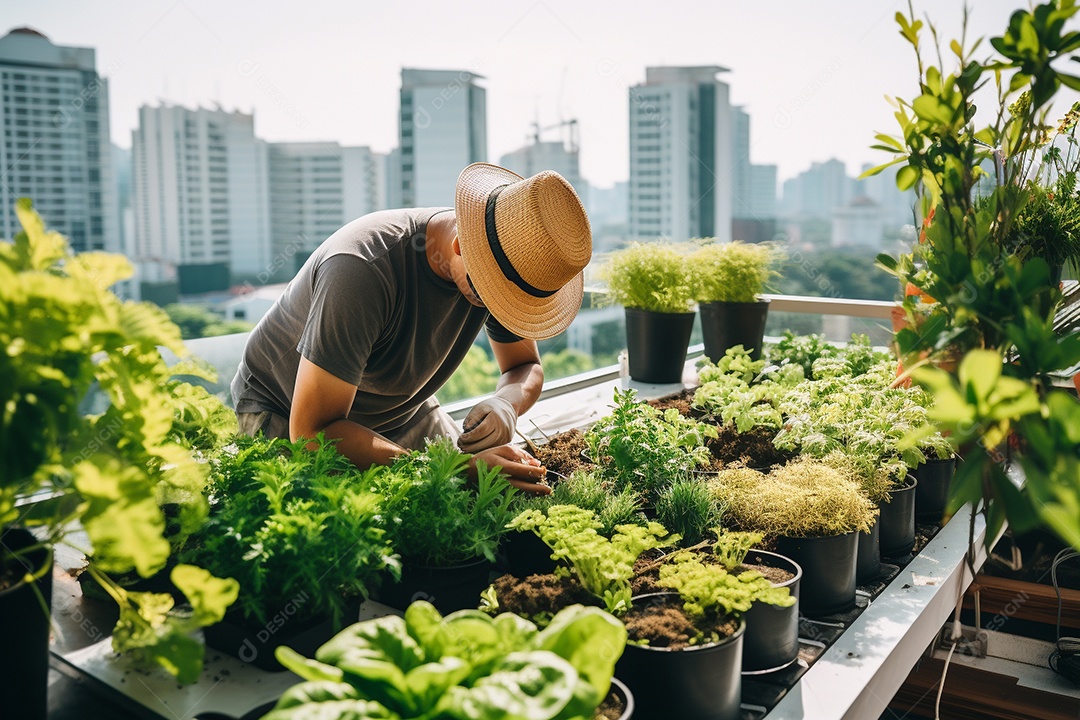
(465, 665)
(108, 472)
(302, 532)
(728, 279)
(686, 646)
(652, 282)
(688, 509)
(815, 514)
(644, 449)
(446, 532)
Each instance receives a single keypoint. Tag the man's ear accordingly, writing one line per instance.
(457, 247)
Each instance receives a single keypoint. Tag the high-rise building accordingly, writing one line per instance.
(560, 156)
(741, 189)
(315, 188)
(762, 202)
(681, 155)
(54, 140)
(897, 207)
(816, 192)
(200, 196)
(860, 223)
(442, 127)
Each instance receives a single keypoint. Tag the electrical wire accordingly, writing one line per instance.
(1065, 660)
(941, 685)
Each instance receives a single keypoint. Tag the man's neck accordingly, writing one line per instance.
(439, 244)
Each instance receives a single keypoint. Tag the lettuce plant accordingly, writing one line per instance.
(465, 666)
(731, 547)
(712, 589)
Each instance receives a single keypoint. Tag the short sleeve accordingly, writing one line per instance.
(350, 305)
(497, 333)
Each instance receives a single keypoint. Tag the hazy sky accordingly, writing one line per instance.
(811, 73)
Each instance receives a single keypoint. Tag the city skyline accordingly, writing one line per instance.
(812, 78)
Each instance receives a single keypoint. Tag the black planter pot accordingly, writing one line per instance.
(869, 564)
(522, 554)
(255, 645)
(727, 324)
(932, 494)
(771, 641)
(696, 683)
(457, 587)
(828, 565)
(619, 688)
(897, 521)
(24, 629)
(656, 344)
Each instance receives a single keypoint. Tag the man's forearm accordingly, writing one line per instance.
(521, 385)
(363, 446)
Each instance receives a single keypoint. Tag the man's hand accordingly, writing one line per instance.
(525, 472)
(490, 423)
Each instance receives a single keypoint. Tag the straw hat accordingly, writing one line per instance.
(525, 243)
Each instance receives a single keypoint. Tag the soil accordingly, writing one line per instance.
(663, 623)
(645, 581)
(753, 448)
(563, 452)
(777, 576)
(537, 594)
(680, 401)
(611, 709)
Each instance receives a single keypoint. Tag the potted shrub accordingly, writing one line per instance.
(465, 665)
(685, 652)
(814, 513)
(728, 280)
(302, 532)
(109, 471)
(446, 532)
(644, 449)
(651, 280)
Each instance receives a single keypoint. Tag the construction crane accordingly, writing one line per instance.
(570, 142)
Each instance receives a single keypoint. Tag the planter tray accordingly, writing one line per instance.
(227, 686)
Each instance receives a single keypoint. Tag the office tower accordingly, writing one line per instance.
(558, 155)
(442, 127)
(54, 140)
(681, 136)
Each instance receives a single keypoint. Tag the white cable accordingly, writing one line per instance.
(941, 687)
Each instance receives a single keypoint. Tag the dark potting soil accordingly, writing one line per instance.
(662, 622)
(753, 448)
(611, 709)
(680, 401)
(538, 594)
(777, 576)
(563, 452)
(645, 580)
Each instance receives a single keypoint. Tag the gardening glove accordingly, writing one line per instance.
(490, 423)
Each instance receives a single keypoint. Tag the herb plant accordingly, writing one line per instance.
(296, 525)
(436, 519)
(731, 547)
(650, 276)
(466, 666)
(801, 350)
(708, 588)
(603, 567)
(639, 447)
(731, 272)
(688, 508)
(587, 490)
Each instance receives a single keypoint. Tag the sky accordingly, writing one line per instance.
(813, 74)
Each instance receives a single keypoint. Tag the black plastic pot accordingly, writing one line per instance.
(456, 587)
(772, 633)
(620, 689)
(727, 324)
(256, 645)
(695, 683)
(24, 630)
(897, 521)
(656, 344)
(935, 477)
(828, 565)
(869, 564)
(522, 554)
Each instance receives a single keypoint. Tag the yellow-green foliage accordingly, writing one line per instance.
(650, 276)
(805, 498)
(731, 272)
(731, 547)
(710, 588)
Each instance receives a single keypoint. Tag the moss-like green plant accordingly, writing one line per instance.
(712, 589)
(731, 547)
(587, 490)
(688, 508)
(603, 567)
(731, 272)
(650, 276)
(804, 498)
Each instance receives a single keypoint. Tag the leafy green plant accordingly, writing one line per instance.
(731, 272)
(466, 666)
(981, 298)
(64, 331)
(712, 589)
(731, 547)
(603, 567)
(201, 421)
(587, 490)
(293, 520)
(687, 508)
(804, 498)
(801, 350)
(650, 276)
(437, 519)
(639, 447)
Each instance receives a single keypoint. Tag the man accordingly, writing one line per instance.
(383, 312)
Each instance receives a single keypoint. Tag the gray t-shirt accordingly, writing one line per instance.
(367, 308)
